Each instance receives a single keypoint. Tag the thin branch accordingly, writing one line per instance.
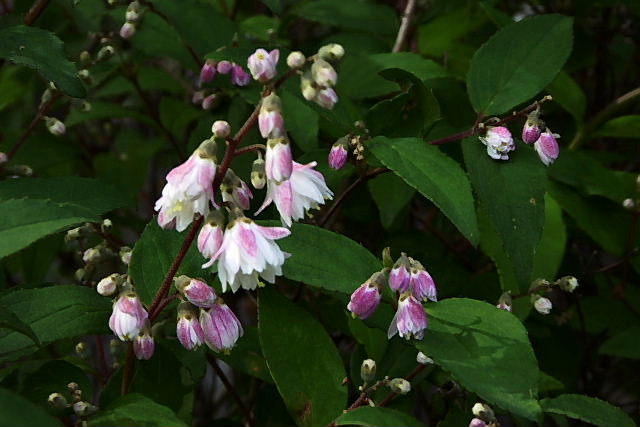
(250, 148)
(36, 10)
(409, 377)
(248, 415)
(404, 25)
(129, 370)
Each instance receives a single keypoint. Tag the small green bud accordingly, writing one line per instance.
(400, 386)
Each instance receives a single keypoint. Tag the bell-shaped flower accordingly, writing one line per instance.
(338, 154)
(262, 64)
(326, 98)
(221, 327)
(278, 159)
(208, 71)
(499, 142)
(239, 76)
(399, 277)
(421, 283)
(211, 235)
(410, 319)
(270, 121)
(547, 147)
(188, 329)
(323, 73)
(541, 304)
(365, 300)
(128, 316)
(189, 189)
(143, 345)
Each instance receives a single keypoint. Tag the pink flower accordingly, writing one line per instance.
(127, 30)
(364, 300)
(270, 119)
(224, 67)
(410, 319)
(530, 132)
(188, 190)
(144, 345)
(304, 190)
(196, 291)
(210, 236)
(323, 73)
(399, 277)
(236, 191)
(499, 142)
(188, 329)
(249, 251)
(128, 316)
(477, 422)
(208, 71)
(338, 156)
(262, 64)
(421, 283)
(221, 327)
(210, 101)
(278, 159)
(547, 147)
(326, 98)
(239, 77)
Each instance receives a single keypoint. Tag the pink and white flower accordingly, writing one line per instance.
(262, 64)
(400, 277)
(189, 189)
(410, 319)
(144, 346)
(196, 291)
(547, 147)
(365, 300)
(499, 142)
(128, 316)
(338, 156)
(270, 119)
(236, 191)
(249, 251)
(208, 71)
(421, 283)
(210, 236)
(225, 67)
(278, 159)
(541, 304)
(239, 76)
(323, 73)
(326, 98)
(188, 329)
(221, 327)
(530, 132)
(306, 189)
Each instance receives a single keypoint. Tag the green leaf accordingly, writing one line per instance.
(105, 110)
(326, 260)
(373, 416)
(136, 410)
(391, 194)
(247, 356)
(302, 120)
(569, 95)
(42, 51)
(588, 409)
(513, 194)
(372, 18)
(302, 359)
(435, 175)
(17, 411)
(552, 244)
(153, 255)
(24, 221)
(55, 312)
(620, 127)
(518, 61)
(487, 350)
(623, 344)
(8, 320)
(86, 193)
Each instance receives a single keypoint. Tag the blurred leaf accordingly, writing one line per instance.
(42, 51)
(620, 127)
(374, 340)
(369, 17)
(260, 27)
(326, 260)
(550, 251)
(623, 344)
(12, 85)
(153, 255)
(8, 320)
(53, 376)
(513, 194)
(588, 409)
(478, 343)
(569, 95)
(302, 120)
(518, 62)
(443, 34)
(55, 312)
(104, 110)
(435, 175)
(303, 360)
(247, 356)
(16, 411)
(391, 195)
(372, 416)
(274, 5)
(548, 383)
(136, 410)
(157, 38)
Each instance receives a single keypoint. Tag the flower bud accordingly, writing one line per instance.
(258, 173)
(74, 234)
(296, 59)
(262, 64)
(628, 204)
(477, 422)
(568, 283)
(224, 67)
(55, 126)
(323, 73)
(483, 411)
(208, 71)
(92, 255)
(143, 345)
(85, 106)
(400, 277)
(278, 159)
(364, 300)
(196, 291)
(128, 316)
(127, 30)
(400, 386)
(239, 76)
(221, 327)
(3, 158)
(85, 56)
(307, 87)
(221, 129)
(331, 52)
(236, 191)
(211, 235)
(197, 97)
(82, 350)
(188, 329)
(82, 408)
(423, 359)
(84, 74)
(531, 130)
(547, 147)
(499, 142)
(105, 53)
(270, 119)
(326, 98)
(210, 102)
(505, 302)
(338, 154)
(541, 304)
(134, 6)
(368, 370)
(125, 253)
(79, 274)
(108, 285)
(58, 401)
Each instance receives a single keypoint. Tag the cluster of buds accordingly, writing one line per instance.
(81, 407)
(211, 68)
(499, 140)
(318, 82)
(541, 304)
(132, 18)
(204, 317)
(483, 416)
(413, 284)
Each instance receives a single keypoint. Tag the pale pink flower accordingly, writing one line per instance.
(530, 132)
(421, 283)
(278, 159)
(210, 237)
(547, 147)
(365, 300)
(127, 30)
(188, 328)
(128, 316)
(221, 327)
(144, 346)
(499, 142)
(208, 71)
(236, 191)
(326, 98)
(338, 156)
(323, 73)
(270, 121)
(410, 319)
(196, 291)
(224, 67)
(239, 76)
(399, 277)
(262, 64)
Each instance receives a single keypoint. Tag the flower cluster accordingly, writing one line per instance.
(132, 17)
(541, 304)
(413, 284)
(317, 83)
(211, 68)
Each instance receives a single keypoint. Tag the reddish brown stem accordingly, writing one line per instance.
(409, 377)
(36, 10)
(36, 120)
(249, 149)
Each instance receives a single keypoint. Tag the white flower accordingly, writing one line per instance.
(304, 190)
(499, 142)
(249, 251)
(542, 305)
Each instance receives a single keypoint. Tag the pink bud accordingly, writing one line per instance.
(210, 238)
(221, 327)
(399, 277)
(208, 71)
(3, 158)
(220, 129)
(364, 300)
(209, 102)
(128, 316)
(196, 291)
(108, 285)
(239, 76)
(224, 67)
(188, 329)
(197, 97)
(326, 98)
(547, 147)
(271, 124)
(278, 159)
(338, 156)
(530, 132)
(127, 30)
(477, 422)
(262, 64)
(144, 346)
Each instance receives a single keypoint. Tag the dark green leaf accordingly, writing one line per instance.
(569, 95)
(479, 344)
(369, 17)
(43, 51)
(103, 110)
(16, 411)
(381, 417)
(303, 360)
(588, 409)
(247, 356)
(55, 312)
(513, 194)
(136, 410)
(8, 320)
(552, 244)
(153, 255)
(435, 175)
(302, 121)
(327, 260)
(621, 127)
(518, 62)
(623, 344)
(391, 195)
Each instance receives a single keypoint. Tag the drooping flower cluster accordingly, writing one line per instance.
(413, 284)
(211, 68)
(130, 322)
